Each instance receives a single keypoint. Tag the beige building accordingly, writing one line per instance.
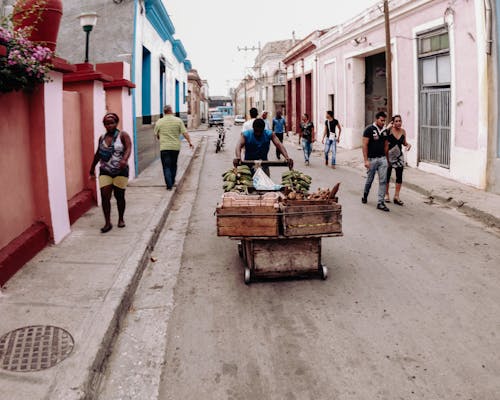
(196, 99)
(271, 76)
(244, 96)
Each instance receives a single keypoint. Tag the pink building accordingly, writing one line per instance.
(441, 64)
(301, 72)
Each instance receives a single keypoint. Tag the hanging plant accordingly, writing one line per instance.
(25, 64)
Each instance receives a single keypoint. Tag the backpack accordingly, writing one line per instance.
(105, 153)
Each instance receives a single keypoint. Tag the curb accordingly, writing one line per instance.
(87, 386)
(459, 205)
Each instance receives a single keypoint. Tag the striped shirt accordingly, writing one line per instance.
(169, 128)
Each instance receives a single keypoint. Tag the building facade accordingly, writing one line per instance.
(142, 34)
(301, 76)
(244, 96)
(270, 76)
(196, 100)
(441, 64)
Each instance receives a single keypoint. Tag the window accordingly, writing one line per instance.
(434, 55)
(434, 43)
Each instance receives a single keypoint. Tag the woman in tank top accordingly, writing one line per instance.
(113, 152)
(396, 139)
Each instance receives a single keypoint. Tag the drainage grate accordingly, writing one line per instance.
(33, 348)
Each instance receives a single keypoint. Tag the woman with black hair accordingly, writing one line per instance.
(113, 151)
(307, 136)
(396, 139)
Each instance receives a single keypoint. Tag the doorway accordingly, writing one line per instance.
(375, 87)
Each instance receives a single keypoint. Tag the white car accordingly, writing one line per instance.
(239, 120)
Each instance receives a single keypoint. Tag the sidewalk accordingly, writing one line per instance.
(479, 204)
(81, 287)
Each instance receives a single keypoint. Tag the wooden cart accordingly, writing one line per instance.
(281, 242)
(281, 256)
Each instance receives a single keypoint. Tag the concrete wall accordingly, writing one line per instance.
(110, 40)
(17, 206)
(73, 144)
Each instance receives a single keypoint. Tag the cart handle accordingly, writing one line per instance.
(264, 163)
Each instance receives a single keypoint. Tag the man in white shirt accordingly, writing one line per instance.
(264, 117)
(249, 124)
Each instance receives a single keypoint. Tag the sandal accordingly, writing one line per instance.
(106, 228)
(387, 200)
(398, 202)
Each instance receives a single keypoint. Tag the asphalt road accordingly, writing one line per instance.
(410, 310)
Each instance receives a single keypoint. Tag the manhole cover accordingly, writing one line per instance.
(33, 348)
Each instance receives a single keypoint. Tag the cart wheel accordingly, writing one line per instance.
(323, 271)
(240, 249)
(247, 275)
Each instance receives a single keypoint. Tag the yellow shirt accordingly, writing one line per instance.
(169, 128)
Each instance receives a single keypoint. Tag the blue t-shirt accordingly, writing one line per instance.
(257, 148)
(279, 125)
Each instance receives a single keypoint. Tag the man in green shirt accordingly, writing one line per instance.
(168, 130)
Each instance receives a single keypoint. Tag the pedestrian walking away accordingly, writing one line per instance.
(331, 137)
(308, 137)
(247, 125)
(375, 149)
(396, 139)
(279, 128)
(264, 117)
(168, 130)
(256, 143)
(113, 151)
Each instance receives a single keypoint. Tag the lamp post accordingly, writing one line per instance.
(87, 22)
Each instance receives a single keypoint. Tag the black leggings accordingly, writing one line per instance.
(399, 174)
(280, 138)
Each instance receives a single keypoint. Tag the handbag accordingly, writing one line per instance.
(105, 152)
(396, 157)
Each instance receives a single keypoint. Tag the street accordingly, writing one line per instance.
(410, 308)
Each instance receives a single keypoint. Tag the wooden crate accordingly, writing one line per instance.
(247, 221)
(312, 219)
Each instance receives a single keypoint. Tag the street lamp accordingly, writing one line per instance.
(87, 22)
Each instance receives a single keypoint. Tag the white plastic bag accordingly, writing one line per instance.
(262, 182)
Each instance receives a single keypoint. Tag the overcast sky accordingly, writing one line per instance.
(212, 31)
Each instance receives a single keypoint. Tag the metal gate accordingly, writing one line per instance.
(434, 135)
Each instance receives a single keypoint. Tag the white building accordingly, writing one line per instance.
(142, 34)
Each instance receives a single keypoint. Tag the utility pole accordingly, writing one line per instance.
(245, 96)
(388, 58)
(253, 48)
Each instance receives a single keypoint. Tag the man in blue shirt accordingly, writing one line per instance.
(256, 143)
(279, 127)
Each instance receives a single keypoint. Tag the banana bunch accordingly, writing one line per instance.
(296, 181)
(237, 179)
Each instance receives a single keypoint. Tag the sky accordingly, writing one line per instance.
(212, 31)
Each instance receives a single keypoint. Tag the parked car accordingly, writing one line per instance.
(239, 120)
(215, 118)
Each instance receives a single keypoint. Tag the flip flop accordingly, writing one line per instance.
(106, 228)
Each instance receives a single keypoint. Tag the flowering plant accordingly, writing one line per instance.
(26, 64)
